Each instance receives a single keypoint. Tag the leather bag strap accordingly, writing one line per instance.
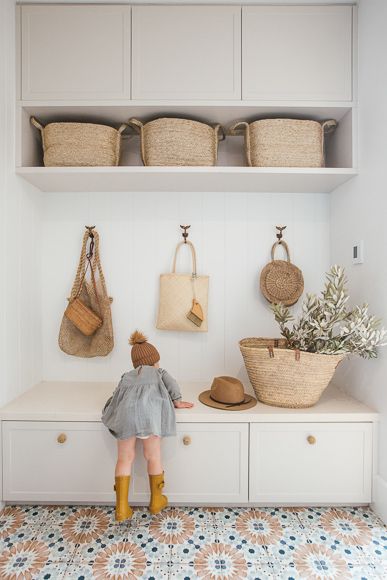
(281, 243)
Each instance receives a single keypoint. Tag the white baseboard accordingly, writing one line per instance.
(379, 497)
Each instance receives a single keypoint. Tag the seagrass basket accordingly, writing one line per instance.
(83, 317)
(80, 144)
(178, 142)
(286, 378)
(284, 142)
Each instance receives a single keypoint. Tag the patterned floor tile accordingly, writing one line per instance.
(186, 543)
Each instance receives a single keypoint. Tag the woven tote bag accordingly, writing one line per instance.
(281, 281)
(177, 292)
(93, 295)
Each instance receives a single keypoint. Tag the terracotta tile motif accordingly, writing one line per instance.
(187, 543)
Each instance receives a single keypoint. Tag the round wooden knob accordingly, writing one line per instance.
(62, 438)
(187, 440)
(311, 440)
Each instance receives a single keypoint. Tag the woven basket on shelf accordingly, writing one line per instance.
(281, 281)
(284, 142)
(80, 144)
(178, 142)
(286, 378)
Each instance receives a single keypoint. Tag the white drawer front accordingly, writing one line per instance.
(212, 468)
(38, 468)
(286, 468)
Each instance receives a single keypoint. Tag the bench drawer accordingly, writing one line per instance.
(300, 463)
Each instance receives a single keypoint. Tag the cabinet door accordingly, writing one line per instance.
(39, 467)
(75, 52)
(297, 53)
(186, 52)
(333, 465)
(205, 463)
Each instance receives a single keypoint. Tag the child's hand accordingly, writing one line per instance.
(182, 404)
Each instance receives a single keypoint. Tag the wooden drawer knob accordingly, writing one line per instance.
(187, 440)
(311, 439)
(62, 438)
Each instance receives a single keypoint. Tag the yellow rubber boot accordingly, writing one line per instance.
(123, 509)
(158, 501)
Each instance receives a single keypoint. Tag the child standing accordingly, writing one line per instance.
(142, 407)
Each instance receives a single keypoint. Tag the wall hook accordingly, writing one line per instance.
(185, 233)
(90, 228)
(279, 235)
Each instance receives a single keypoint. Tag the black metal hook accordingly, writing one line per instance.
(279, 235)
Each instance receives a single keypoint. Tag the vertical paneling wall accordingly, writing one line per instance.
(232, 232)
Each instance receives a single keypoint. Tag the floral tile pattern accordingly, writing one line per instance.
(188, 543)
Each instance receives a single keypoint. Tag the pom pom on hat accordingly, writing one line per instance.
(143, 353)
(137, 338)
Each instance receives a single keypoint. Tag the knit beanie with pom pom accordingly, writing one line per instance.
(143, 353)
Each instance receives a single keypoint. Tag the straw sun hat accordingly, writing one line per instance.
(227, 393)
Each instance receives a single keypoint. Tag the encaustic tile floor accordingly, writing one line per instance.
(182, 543)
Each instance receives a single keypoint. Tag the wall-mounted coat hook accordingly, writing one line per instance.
(90, 228)
(279, 235)
(185, 233)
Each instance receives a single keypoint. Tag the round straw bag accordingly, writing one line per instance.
(178, 142)
(80, 144)
(284, 142)
(286, 378)
(281, 281)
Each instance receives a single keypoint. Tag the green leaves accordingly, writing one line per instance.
(327, 326)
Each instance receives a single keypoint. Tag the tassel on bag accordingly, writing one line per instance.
(196, 315)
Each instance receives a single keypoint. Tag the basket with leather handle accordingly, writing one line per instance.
(281, 281)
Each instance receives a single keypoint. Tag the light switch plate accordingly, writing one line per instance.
(358, 252)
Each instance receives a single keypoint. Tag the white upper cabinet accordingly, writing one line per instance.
(75, 52)
(297, 53)
(186, 52)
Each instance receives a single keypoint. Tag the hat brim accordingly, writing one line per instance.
(205, 398)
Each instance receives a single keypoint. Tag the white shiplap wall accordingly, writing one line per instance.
(233, 234)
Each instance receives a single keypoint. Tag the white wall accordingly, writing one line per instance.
(359, 212)
(20, 338)
(233, 234)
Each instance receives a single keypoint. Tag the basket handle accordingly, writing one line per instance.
(139, 128)
(122, 128)
(190, 244)
(281, 243)
(238, 129)
(329, 126)
(219, 133)
(36, 123)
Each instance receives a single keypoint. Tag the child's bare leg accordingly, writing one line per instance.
(126, 452)
(152, 454)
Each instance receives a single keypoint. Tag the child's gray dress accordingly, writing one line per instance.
(142, 404)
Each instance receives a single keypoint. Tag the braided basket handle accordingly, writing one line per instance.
(35, 123)
(193, 253)
(329, 126)
(139, 128)
(240, 128)
(281, 243)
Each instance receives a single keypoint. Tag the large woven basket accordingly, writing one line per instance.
(286, 378)
(178, 142)
(80, 144)
(284, 142)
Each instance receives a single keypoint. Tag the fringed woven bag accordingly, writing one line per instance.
(87, 330)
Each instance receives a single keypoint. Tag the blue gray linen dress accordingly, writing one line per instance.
(141, 405)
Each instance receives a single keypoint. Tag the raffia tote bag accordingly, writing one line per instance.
(177, 292)
(71, 340)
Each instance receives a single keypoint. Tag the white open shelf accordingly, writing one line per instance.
(230, 174)
(251, 179)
